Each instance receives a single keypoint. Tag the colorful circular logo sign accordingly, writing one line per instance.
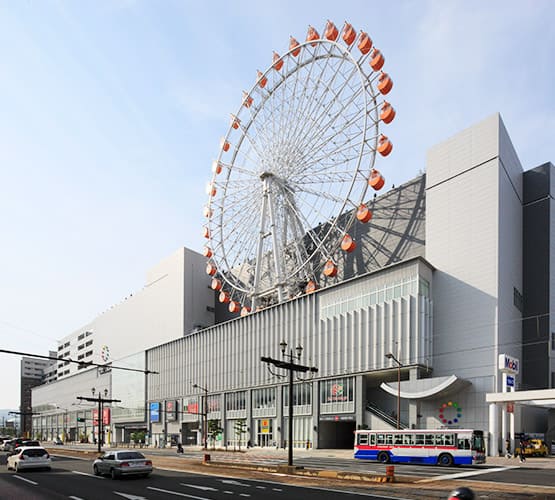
(450, 413)
(105, 353)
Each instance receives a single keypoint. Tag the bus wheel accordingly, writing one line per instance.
(383, 457)
(445, 460)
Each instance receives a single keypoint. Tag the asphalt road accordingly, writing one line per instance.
(73, 479)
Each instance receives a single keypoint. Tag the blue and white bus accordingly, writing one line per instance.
(445, 447)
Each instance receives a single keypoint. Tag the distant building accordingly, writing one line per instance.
(33, 372)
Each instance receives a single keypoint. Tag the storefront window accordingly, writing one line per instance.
(236, 401)
(264, 398)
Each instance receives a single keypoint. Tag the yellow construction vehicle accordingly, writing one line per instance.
(533, 448)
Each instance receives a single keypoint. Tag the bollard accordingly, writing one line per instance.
(206, 458)
(390, 473)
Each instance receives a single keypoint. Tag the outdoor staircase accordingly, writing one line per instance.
(382, 415)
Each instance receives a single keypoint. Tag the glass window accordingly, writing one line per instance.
(373, 439)
(419, 439)
(389, 439)
(449, 439)
(337, 390)
(429, 440)
(264, 398)
(440, 440)
(408, 439)
(380, 438)
(363, 439)
(397, 439)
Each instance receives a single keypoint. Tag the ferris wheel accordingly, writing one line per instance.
(294, 167)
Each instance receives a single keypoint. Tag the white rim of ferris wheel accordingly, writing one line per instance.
(277, 186)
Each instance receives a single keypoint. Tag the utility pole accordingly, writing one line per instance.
(291, 366)
(101, 400)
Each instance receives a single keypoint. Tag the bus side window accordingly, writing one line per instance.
(398, 439)
(449, 439)
(363, 439)
(389, 439)
(419, 439)
(408, 439)
(463, 444)
(440, 439)
(381, 439)
(373, 439)
(429, 439)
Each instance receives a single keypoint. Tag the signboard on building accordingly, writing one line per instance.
(510, 381)
(191, 406)
(265, 426)
(508, 364)
(155, 412)
(171, 411)
(337, 418)
(106, 416)
(336, 394)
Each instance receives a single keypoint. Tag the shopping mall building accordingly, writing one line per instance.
(441, 311)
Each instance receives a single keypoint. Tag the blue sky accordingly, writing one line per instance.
(112, 111)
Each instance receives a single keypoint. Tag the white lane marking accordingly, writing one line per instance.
(199, 487)
(76, 498)
(467, 474)
(277, 489)
(228, 492)
(235, 483)
(261, 487)
(26, 480)
(176, 493)
(244, 495)
(86, 474)
(129, 496)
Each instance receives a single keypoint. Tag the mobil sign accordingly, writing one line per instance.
(508, 364)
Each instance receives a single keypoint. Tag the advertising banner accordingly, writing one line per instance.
(171, 411)
(155, 412)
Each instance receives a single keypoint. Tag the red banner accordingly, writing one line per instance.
(95, 417)
(106, 416)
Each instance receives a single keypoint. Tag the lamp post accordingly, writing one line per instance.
(100, 400)
(390, 355)
(204, 414)
(291, 366)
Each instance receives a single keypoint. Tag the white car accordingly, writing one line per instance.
(29, 457)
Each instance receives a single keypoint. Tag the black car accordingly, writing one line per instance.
(24, 442)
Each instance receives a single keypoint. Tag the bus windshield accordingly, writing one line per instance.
(478, 441)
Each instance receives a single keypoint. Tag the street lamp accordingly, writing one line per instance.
(100, 401)
(390, 355)
(204, 414)
(291, 366)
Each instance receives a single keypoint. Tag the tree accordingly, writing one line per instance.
(240, 428)
(214, 430)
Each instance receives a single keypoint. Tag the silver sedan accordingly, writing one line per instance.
(120, 463)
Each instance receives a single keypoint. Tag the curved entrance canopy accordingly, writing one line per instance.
(426, 388)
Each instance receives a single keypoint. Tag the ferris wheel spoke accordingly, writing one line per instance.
(324, 108)
(312, 102)
(305, 97)
(306, 226)
(333, 118)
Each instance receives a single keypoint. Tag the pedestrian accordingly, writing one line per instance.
(521, 455)
(508, 449)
